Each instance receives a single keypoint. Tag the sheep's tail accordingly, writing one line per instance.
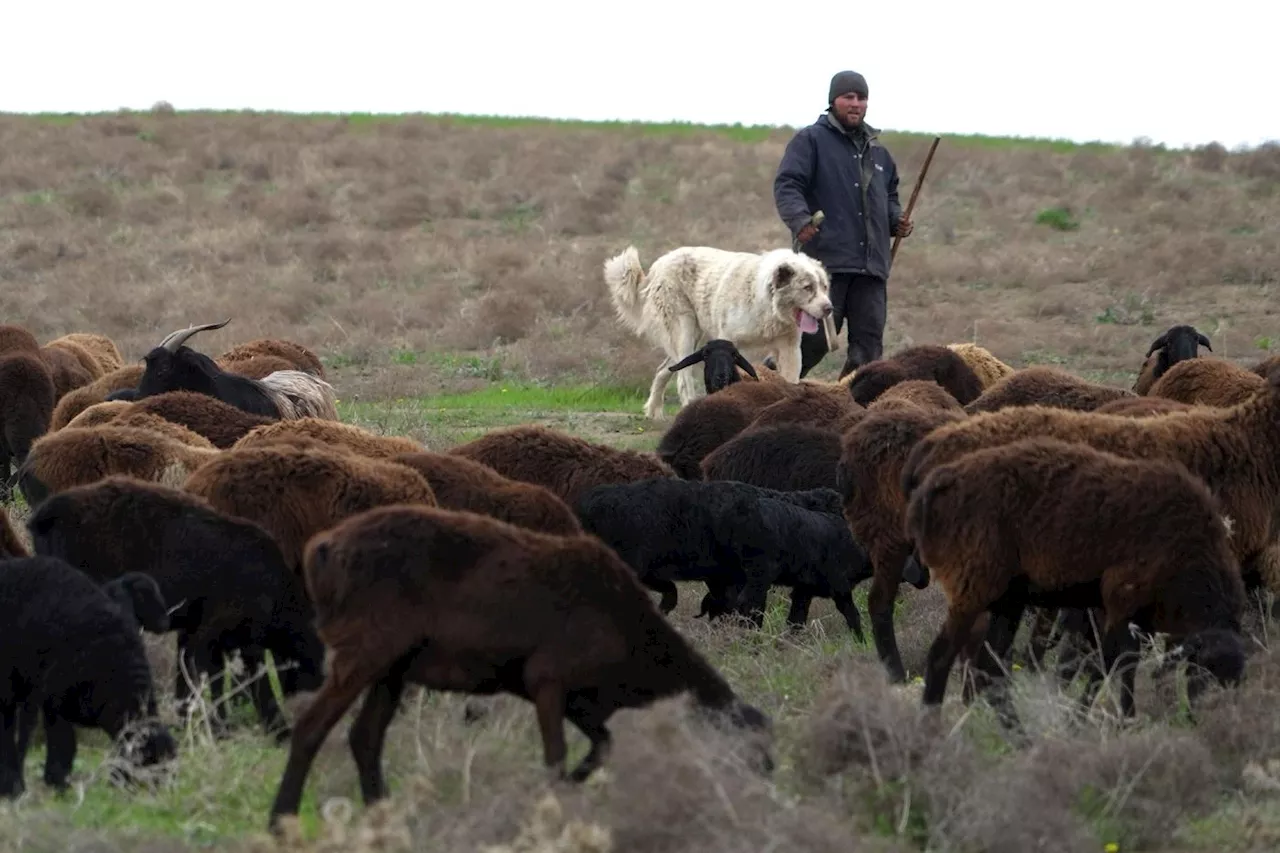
(624, 276)
(298, 394)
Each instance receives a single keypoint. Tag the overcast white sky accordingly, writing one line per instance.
(1079, 69)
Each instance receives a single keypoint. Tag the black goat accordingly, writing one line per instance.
(718, 358)
(172, 366)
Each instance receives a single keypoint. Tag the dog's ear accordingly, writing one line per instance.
(692, 358)
(783, 275)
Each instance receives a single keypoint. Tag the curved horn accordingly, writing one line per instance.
(1158, 343)
(180, 337)
(1204, 341)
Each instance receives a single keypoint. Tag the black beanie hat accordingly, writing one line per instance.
(845, 82)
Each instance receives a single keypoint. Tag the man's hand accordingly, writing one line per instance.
(904, 229)
(807, 233)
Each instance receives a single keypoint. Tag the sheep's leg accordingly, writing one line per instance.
(653, 406)
(667, 589)
(844, 604)
(719, 600)
(60, 749)
(1078, 642)
(942, 653)
(880, 598)
(11, 784)
(549, 701)
(801, 600)
(590, 720)
(341, 688)
(755, 596)
(1044, 621)
(369, 731)
(263, 697)
(991, 675)
(1120, 653)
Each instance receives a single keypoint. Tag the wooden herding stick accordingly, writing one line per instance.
(911, 202)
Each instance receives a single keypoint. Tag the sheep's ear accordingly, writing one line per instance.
(1204, 341)
(783, 276)
(742, 362)
(1158, 343)
(693, 358)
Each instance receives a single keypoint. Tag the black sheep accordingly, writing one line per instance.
(720, 360)
(139, 598)
(80, 661)
(785, 456)
(224, 577)
(733, 536)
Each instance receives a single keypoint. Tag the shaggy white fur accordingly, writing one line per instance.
(300, 395)
(695, 293)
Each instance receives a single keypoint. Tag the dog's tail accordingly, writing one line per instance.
(624, 277)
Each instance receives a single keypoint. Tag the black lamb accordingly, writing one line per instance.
(80, 661)
(738, 538)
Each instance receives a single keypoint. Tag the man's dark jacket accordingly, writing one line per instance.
(856, 186)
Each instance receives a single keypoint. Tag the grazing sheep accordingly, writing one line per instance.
(139, 598)
(710, 421)
(462, 602)
(1141, 538)
(295, 492)
(923, 361)
(924, 393)
(27, 398)
(1175, 344)
(225, 578)
(100, 347)
(97, 391)
(464, 485)
(867, 477)
(720, 361)
(80, 661)
(329, 432)
(1233, 450)
(17, 339)
(1046, 386)
(1141, 407)
(1208, 382)
(298, 356)
(221, 423)
(811, 406)
(731, 536)
(81, 455)
(100, 413)
(1264, 367)
(72, 365)
(982, 362)
(785, 457)
(10, 545)
(164, 426)
(563, 463)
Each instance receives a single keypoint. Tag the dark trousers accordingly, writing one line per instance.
(861, 303)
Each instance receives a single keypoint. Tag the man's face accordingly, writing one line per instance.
(850, 109)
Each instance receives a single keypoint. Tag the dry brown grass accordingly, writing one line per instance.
(379, 242)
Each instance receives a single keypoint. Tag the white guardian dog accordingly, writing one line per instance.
(697, 293)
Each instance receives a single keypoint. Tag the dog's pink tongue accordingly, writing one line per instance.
(807, 324)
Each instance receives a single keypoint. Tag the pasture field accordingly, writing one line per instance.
(448, 272)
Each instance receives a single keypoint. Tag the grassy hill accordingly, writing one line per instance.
(447, 268)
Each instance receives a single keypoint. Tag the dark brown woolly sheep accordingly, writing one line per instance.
(1208, 382)
(1175, 344)
(1142, 407)
(17, 339)
(298, 356)
(100, 413)
(164, 426)
(27, 398)
(923, 361)
(456, 601)
(101, 347)
(785, 456)
(87, 361)
(69, 366)
(924, 393)
(10, 545)
(867, 477)
(1264, 367)
(76, 456)
(95, 392)
(811, 406)
(222, 423)
(708, 422)
(1046, 386)
(294, 493)
(465, 485)
(563, 463)
(1235, 451)
(362, 441)
(1143, 539)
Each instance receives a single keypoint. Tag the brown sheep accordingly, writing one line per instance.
(923, 361)
(1142, 407)
(461, 602)
(27, 397)
(362, 441)
(100, 413)
(69, 366)
(294, 493)
(807, 405)
(298, 356)
(463, 484)
(1175, 344)
(164, 426)
(563, 463)
(708, 422)
(1235, 451)
(1208, 382)
(924, 393)
(1141, 538)
(11, 546)
(1264, 367)
(222, 423)
(17, 339)
(1046, 386)
(81, 455)
(867, 476)
(101, 347)
(87, 360)
(982, 362)
(96, 391)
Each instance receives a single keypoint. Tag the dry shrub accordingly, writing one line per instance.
(94, 202)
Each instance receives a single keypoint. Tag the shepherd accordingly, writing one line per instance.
(837, 165)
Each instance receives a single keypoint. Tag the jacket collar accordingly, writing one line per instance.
(869, 133)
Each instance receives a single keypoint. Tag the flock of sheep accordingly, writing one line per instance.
(222, 499)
